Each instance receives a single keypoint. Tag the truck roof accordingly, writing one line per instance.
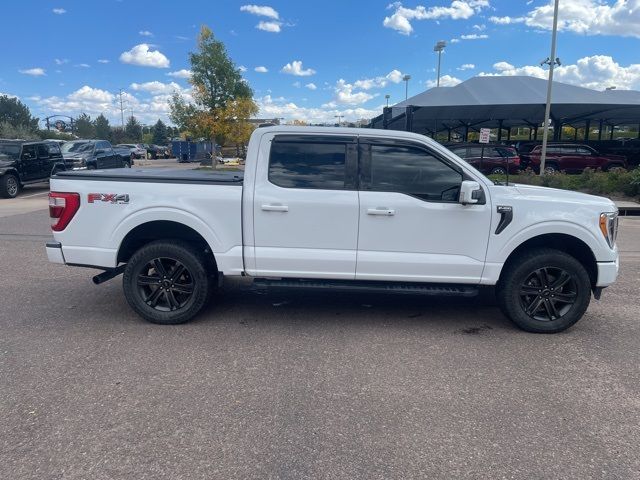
(361, 132)
(156, 175)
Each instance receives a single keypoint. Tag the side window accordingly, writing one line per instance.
(103, 145)
(413, 171)
(54, 150)
(583, 151)
(461, 152)
(475, 152)
(43, 151)
(308, 165)
(568, 150)
(28, 152)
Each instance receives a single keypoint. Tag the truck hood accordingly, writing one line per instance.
(555, 194)
(7, 163)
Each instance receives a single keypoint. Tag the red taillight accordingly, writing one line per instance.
(516, 161)
(62, 208)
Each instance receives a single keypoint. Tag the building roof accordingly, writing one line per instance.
(516, 101)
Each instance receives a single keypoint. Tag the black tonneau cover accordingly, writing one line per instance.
(156, 175)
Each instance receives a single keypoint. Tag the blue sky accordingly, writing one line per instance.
(75, 55)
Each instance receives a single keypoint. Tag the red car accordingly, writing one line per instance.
(572, 158)
(489, 159)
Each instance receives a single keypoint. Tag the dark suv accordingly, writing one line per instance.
(488, 159)
(24, 162)
(572, 158)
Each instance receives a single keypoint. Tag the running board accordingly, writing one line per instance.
(412, 288)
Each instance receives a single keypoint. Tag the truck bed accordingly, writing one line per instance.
(156, 175)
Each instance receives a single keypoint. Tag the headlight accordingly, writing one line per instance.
(609, 227)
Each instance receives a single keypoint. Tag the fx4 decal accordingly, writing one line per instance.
(119, 198)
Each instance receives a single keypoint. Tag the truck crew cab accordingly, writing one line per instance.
(336, 208)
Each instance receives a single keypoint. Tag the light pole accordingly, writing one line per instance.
(406, 79)
(439, 47)
(551, 61)
(387, 97)
(339, 117)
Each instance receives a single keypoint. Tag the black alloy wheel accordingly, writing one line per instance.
(165, 284)
(548, 293)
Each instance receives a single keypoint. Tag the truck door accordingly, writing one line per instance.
(29, 163)
(412, 227)
(44, 161)
(305, 207)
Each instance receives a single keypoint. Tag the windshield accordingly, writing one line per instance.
(9, 151)
(76, 147)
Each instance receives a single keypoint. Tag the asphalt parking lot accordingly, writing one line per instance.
(305, 385)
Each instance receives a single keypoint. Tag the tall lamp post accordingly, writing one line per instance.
(406, 79)
(339, 117)
(387, 97)
(439, 47)
(551, 61)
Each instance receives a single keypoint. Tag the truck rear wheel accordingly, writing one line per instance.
(544, 291)
(167, 282)
(9, 186)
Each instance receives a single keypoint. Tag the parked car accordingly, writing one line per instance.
(94, 154)
(332, 209)
(489, 159)
(155, 151)
(136, 149)
(25, 162)
(571, 158)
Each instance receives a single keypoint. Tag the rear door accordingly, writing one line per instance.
(305, 207)
(30, 164)
(412, 227)
(44, 161)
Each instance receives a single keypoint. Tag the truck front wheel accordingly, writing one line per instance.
(9, 186)
(167, 282)
(544, 291)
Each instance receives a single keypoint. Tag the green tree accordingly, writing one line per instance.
(84, 127)
(159, 133)
(102, 128)
(16, 113)
(8, 130)
(215, 77)
(133, 129)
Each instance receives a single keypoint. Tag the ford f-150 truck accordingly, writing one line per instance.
(337, 208)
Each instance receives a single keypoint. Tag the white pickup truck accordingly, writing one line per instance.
(337, 208)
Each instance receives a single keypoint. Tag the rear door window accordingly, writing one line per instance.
(315, 165)
(43, 151)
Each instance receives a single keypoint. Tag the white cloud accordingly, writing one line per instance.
(261, 11)
(89, 94)
(466, 66)
(597, 72)
(295, 68)
(142, 55)
(277, 108)
(344, 94)
(311, 86)
(480, 28)
(145, 33)
(445, 81)
(242, 69)
(296, 84)
(474, 36)
(59, 11)
(83, 65)
(401, 18)
(273, 27)
(156, 87)
(103, 60)
(261, 69)
(587, 17)
(394, 76)
(506, 20)
(184, 73)
(61, 61)
(34, 72)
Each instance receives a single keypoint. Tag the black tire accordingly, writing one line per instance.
(615, 167)
(91, 166)
(126, 165)
(544, 291)
(551, 168)
(175, 299)
(498, 171)
(9, 186)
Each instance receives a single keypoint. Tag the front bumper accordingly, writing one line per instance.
(54, 252)
(607, 273)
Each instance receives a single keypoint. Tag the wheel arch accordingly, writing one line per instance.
(563, 242)
(152, 230)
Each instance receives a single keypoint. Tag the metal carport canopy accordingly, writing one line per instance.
(491, 101)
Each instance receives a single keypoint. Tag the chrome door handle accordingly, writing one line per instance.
(386, 212)
(275, 208)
